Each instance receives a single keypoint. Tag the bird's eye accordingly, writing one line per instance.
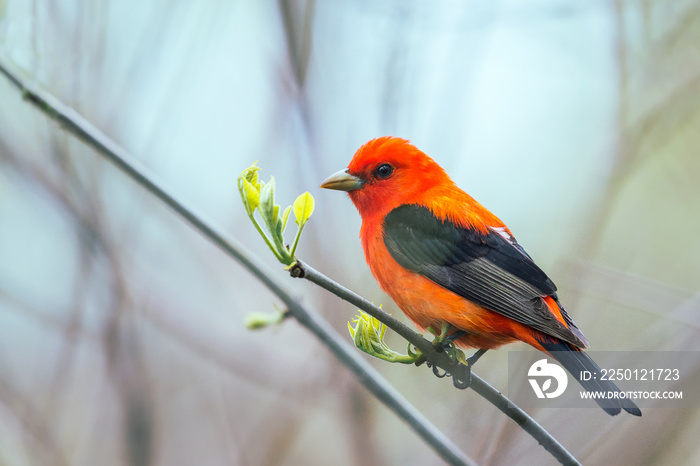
(384, 170)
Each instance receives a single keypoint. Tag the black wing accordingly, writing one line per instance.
(491, 269)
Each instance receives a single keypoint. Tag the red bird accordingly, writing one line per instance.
(444, 258)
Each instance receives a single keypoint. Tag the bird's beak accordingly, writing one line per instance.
(342, 181)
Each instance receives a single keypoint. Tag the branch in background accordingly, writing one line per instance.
(348, 356)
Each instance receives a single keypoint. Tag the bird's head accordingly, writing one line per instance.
(385, 173)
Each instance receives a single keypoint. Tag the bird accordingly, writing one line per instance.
(448, 262)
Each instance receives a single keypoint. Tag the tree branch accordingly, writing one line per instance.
(347, 355)
(441, 360)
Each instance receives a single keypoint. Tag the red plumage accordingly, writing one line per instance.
(444, 258)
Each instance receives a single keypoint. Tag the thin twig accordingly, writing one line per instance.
(348, 356)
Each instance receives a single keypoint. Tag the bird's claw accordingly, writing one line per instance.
(462, 379)
(436, 371)
(440, 337)
(471, 360)
(448, 347)
(445, 343)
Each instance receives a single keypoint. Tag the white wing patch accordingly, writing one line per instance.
(503, 233)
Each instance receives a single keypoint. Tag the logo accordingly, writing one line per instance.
(542, 369)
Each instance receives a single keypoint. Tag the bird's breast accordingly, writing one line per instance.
(428, 304)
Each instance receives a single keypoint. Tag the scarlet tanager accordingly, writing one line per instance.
(444, 258)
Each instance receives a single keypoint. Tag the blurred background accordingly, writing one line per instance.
(121, 329)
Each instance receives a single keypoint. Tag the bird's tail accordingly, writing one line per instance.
(576, 361)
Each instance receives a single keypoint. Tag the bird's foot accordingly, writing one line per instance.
(462, 378)
(475, 357)
(444, 342)
(440, 337)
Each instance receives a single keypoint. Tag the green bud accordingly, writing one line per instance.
(285, 217)
(267, 204)
(251, 174)
(368, 335)
(303, 208)
(258, 320)
(250, 195)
